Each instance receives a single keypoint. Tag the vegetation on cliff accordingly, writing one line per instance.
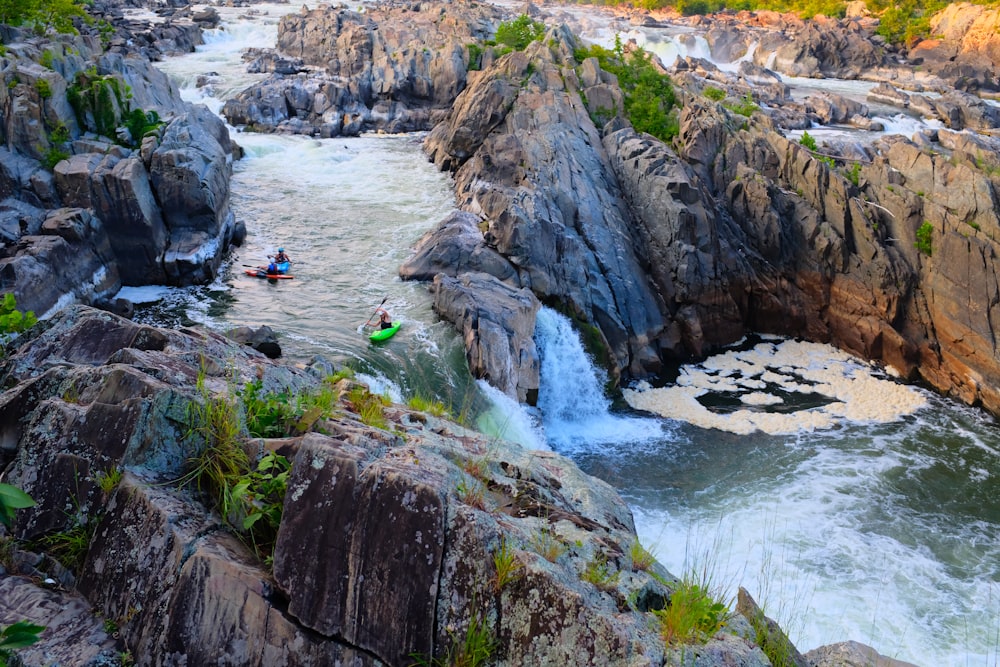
(40, 15)
(649, 97)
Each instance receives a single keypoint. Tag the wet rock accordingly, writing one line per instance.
(456, 246)
(262, 339)
(851, 654)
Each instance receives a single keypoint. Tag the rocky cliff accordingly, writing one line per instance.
(108, 178)
(398, 541)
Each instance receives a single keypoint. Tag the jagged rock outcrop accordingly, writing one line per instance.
(158, 205)
(392, 67)
(388, 541)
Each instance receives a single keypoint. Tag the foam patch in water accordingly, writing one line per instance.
(757, 376)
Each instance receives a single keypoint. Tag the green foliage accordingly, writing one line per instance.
(43, 88)
(12, 320)
(53, 156)
(641, 558)
(599, 573)
(745, 107)
(475, 57)
(854, 173)
(692, 615)
(260, 499)
(17, 635)
(925, 234)
(47, 59)
(517, 34)
(369, 406)
(283, 414)
(473, 649)
(808, 141)
(907, 21)
(11, 499)
(42, 15)
(140, 123)
(507, 568)
(714, 94)
(60, 134)
(649, 95)
(472, 493)
(436, 408)
(102, 103)
(109, 481)
(70, 546)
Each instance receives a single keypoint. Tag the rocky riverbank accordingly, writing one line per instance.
(108, 177)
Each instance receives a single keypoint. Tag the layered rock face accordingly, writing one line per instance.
(150, 209)
(388, 544)
(672, 251)
(393, 67)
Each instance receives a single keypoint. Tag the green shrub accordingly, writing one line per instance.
(649, 95)
(808, 141)
(473, 649)
(507, 568)
(745, 107)
(517, 34)
(925, 234)
(44, 88)
(13, 321)
(47, 59)
(714, 94)
(599, 573)
(140, 123)
(260, 497)
(475, 57)
(854, 173)
(54, 156)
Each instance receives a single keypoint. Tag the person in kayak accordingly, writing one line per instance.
(384, 321)
(281, 257)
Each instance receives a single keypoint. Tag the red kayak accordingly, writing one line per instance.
(261, 272)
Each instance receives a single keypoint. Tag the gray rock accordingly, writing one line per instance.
(851, 654)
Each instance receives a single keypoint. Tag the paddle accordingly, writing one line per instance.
(376, 312)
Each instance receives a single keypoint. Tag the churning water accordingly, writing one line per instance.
(885, 532)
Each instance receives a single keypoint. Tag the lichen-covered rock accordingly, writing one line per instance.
(389, 543)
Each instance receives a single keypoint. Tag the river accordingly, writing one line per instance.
(885, 532)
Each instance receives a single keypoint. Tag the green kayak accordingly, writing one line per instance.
(385, 334)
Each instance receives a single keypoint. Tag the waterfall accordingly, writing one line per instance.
(575, 410)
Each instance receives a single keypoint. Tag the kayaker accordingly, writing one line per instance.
(272, 268)
(281, 257)
(384, 321)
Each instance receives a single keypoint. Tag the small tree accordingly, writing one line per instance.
(520, 32)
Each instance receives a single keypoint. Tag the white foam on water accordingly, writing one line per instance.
(792, 366)
(144, 294)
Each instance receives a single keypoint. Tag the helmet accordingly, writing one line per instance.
(281, 250)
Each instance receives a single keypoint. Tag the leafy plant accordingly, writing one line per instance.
(854, 173)
(260, 496)
(507, 567)
(53, 156)
(472, 493)
(17, 635)
(436, 408)
(692, 615)
(925, 234)
(370, 407)
(47, 59)
(517, 34)
(70, 546)
(11, 499)
(11, 319)
(475, 57)
(140, 123)
(109, 481)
